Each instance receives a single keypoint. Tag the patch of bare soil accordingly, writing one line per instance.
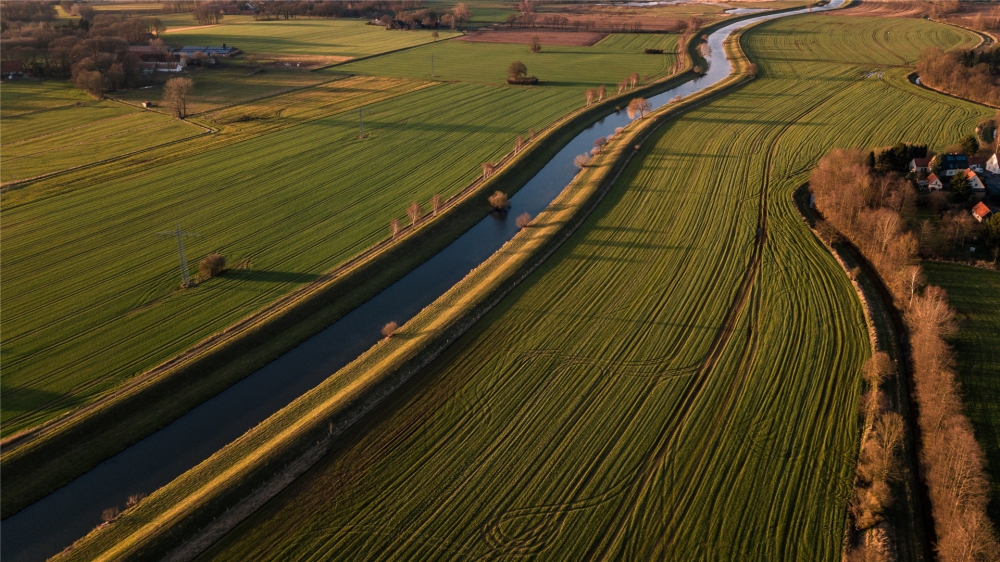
(525, 36)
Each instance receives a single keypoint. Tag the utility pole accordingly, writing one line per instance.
(361, 121)
(180, 234)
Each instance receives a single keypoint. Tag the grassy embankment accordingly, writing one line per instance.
(652, 391)
(292, 215)
(198, 496)
(975, 296)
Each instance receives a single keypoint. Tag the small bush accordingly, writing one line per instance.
(109, 514)
(581, 160)
(390, 329)
(523, 220)
(212, 265)
(134, 500)
(499, 201)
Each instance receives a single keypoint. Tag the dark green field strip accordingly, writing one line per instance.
(975, 296)
(587, 416)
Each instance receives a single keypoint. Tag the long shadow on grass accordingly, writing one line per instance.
(265, 276)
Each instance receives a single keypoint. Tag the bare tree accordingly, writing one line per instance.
(499, 201)
(395, 227)
(109, 514)
(435, 35)
(436, 204)
(536, 46)
(622, 85)
(602, 91)
(414, 211)
(633, 79)
(638, 107)
(581, 160)
(518, 144)
(599, 143)
(390, 329)
(914, 280)
(462, 13)
(175, 95)
(523, 220)
(590, 96)
(488, 169)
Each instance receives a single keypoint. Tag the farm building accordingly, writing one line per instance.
(151, 67)
(223, 51)
(934, 182)
(981, 211)
(11, 69)
(952, 163)
(920, 165)
(993, 164)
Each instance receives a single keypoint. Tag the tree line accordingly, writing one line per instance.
(967, 74)
(876, 213)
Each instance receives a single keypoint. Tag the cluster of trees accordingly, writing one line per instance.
(895, 158)
(391, 13)
(415, 212)
(878, 467)
(874, 212)
(92, 53)
(529, 17)
(517, 73)
(973, 76)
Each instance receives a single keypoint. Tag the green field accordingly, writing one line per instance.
(607, 62)
(284, 186)
(975, 296)
(216, 87)
(48, 126)
(313, 37)
(663, 387)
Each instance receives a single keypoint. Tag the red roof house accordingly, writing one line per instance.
(981, 211)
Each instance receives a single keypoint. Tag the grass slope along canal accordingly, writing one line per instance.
(670, 384)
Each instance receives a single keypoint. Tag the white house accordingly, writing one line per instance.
(975, 183)
(993, 164)
(934, 182)
(920, 165)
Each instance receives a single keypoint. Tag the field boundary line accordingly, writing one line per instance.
(190, 503)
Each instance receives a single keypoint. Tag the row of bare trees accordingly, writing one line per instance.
(947, 72)
(416, 212)
(871, 211)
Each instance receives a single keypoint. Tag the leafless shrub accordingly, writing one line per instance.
(436, 204)
(488, 169)
(602, 92)
(109, 514)
(395, 227)
(523, 220)
(590, 95)
(175, 95)
(134, 500)
(390, 329)
(599, 143)
(211, 265)
(581, 160)
(499, 201)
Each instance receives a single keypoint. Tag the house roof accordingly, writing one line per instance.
(147, 50)
(969, 174)
(932, 178)
(954, 161)
(921, 162)
(207, 50)
(981, 210)
(974, 160)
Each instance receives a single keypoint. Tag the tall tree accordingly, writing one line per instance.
(175, 95)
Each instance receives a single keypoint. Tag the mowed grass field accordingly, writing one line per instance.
(975, 296)
(607, 62)
(49, 126)
(669, 384)
(317, 37)
(285, 188)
